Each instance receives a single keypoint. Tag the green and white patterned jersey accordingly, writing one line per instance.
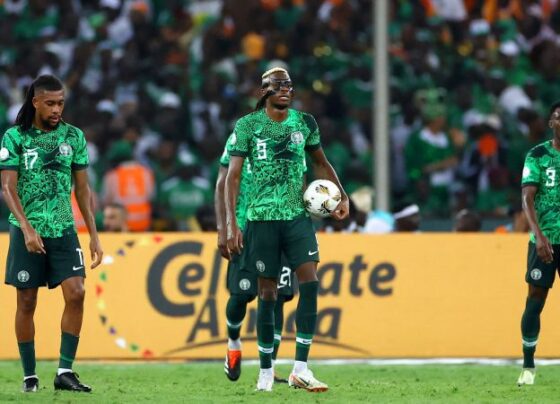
(44, 162)
(542, 169)
(244, 184)
(276, 151)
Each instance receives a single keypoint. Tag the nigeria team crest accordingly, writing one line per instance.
(23, 276)
(65, 149)
(297, 137)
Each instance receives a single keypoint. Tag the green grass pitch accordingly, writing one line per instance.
(206, 383)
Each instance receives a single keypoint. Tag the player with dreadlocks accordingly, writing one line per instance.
(40, 157)
(274, 139)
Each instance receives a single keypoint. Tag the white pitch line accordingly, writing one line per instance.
(418, 362)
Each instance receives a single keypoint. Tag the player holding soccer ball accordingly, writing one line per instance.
(241, 282)
(40, 157)
(274, 139)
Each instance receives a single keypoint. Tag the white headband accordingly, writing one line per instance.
(408, 211)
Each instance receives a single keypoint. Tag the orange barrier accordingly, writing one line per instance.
(164, 296)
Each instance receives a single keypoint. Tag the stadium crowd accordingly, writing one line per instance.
(158, 85)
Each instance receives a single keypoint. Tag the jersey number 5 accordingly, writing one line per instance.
(550, 177)
(30, 157)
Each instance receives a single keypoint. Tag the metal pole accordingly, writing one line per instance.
(380, 105)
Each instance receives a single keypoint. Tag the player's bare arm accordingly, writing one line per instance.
(544, 248)
(220, 208)
(33, 241)
(84, 199)
(233, 178)
(323, 169)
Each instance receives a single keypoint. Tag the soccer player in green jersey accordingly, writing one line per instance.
(274, 139)
(241, 282)
(541, 204)
(40, 157)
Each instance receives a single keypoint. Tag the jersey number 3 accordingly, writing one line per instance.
(261, 149)
(550, 177)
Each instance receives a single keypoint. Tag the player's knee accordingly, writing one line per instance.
(76, 296)
(307, 272)
(268, 293)
(538, 293)
(27, 303)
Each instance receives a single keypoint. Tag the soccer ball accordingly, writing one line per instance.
(321, 198)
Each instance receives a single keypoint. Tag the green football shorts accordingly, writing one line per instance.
(539, 273)
(64, 259)
(268, 240)
(241, 280)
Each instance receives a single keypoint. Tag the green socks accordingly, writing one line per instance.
(530, 327)
(306, 319)
(265, 332)
(278, 324)
(27, 356)
(235, 313)
(68, 348)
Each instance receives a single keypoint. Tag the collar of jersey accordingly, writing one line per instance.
(290, 111)
(38, 131)
(551, 147)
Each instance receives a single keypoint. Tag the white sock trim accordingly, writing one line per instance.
(234, 344)
(231, 325)
(304, 341)
(266, 350)
(30, 377)
(61, 371)
(530, 344)
(299, 366)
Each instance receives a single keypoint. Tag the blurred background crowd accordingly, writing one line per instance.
(157, 86)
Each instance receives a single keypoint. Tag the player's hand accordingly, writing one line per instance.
(544, 249)
(96, 252)
(223, 245)
(342, 210)
(234, 239)
(33, 241)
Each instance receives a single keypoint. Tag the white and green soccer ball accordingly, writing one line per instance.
(321, 198)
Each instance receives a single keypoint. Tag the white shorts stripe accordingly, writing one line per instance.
(278, 337)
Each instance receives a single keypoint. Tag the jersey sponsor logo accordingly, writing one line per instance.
(23, 276)
(4, 154)
(75, 268)
(312, 252)
(65, 149)
(260, 266)
(526, 172)
(536, 274)
(244, 284)
(297, 137)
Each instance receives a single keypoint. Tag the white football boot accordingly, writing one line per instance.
(527, 376)
(306, 380)
(266, 380)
